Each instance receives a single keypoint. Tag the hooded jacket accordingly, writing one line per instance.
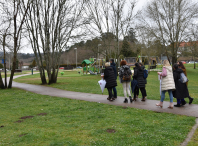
(168, 81)
(113, 65)
(121, 73)
(181, 88)
(109, 77)
(139, 76)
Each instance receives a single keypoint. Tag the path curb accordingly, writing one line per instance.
(190, 134)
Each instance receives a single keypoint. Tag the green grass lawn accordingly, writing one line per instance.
(194, 140)
(17, 73)
(72, 122)
(72, 81)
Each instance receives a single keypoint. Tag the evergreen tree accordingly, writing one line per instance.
(1, 65)
(126, 50)
(34, 63)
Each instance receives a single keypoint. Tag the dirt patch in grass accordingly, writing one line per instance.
(22, 135)
(19, 121)
(26, 117)
(111, 130)
(42, 114)
(124, 107)
(1, 126)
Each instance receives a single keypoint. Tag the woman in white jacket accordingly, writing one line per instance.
(167, 84)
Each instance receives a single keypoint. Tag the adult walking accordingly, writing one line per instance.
(181, 91)
(167, 84)
(125, 78)
(110, 80)
(113, 65)
(185, 72)
(136, 90)
(139, 76)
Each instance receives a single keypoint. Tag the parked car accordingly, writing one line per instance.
(3, 69)
(61, 68)
(79, 67)
(192, 62)
(183, 62)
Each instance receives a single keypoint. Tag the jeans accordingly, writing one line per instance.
(115, 92)
(170, 95)
(180, 100)
(126, 89)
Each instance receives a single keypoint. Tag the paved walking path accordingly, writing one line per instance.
(188, 110)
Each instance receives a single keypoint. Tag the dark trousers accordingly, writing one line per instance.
(136, 91)
(115, 92)
(110, 92)
(143, 91)
(180, 100)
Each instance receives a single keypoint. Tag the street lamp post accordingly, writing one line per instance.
(98, 57)
(76, 56)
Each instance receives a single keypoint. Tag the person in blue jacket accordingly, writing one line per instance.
(113, 65)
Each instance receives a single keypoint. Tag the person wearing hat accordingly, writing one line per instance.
(110, 80)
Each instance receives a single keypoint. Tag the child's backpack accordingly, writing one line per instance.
(183, 78)
(126, 75)
(145, 73)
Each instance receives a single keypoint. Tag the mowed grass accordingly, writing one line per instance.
(194, 139)
(72, 81)
(17, 73)
(72, 122)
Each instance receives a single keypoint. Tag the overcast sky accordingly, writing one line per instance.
(139, 5)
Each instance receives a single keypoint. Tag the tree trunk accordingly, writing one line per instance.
(194, 63)
(5, 72)
(174, 60)
(1, 82)
(14, 63)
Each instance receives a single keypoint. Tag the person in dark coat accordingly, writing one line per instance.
(139, 76)
(113, 65)
(181, 91)
(184, 70)
(110, 80)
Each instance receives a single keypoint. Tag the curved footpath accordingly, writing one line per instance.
(188, 110)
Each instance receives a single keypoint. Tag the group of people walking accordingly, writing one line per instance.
(170, 82)
(125, 76)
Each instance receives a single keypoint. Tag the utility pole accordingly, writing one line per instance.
(76, 56)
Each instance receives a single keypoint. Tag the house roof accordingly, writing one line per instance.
(187, 44)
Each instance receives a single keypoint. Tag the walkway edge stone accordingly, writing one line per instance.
(190, 134)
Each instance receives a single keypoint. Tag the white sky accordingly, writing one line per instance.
(139, 5)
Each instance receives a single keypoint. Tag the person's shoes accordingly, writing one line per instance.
(134, 99)
(177, 105)
(191, 100)
(126, 100)
(159, 104)
(143, 99)
(170, 105)
(108, 98)
(111, 99)
(115, 98)
(183, 102)
(131, 100)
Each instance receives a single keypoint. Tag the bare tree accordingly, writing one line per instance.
(192, 44)
(169, 22)
(15, 14)
(52, 25)
(108, 16)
